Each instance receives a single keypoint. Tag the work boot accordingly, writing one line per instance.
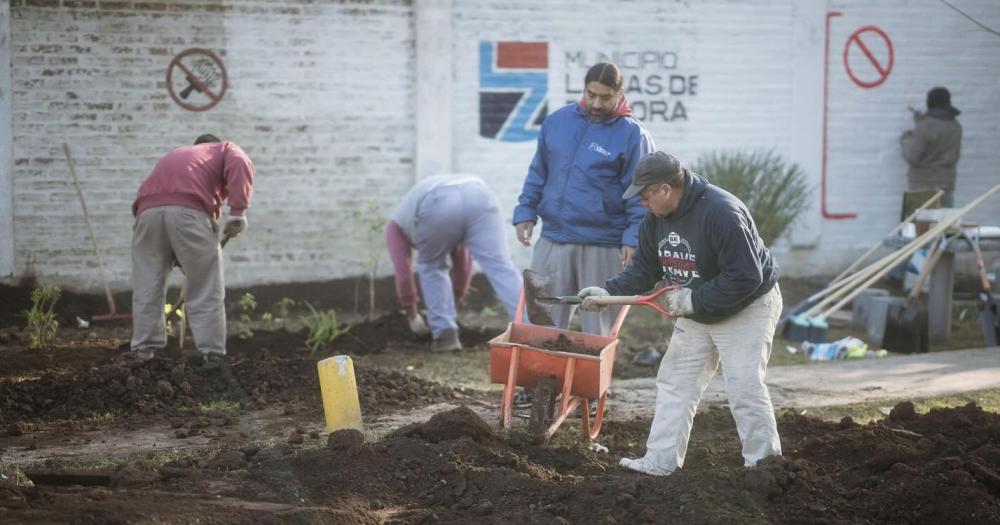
(134, 358)
(446, 341)
(142, 354)
(213, 363)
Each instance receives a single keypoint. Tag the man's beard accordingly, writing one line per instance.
(598, 115)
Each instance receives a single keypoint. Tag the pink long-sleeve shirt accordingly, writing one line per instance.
(199, 177)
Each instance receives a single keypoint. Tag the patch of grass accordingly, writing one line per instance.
(106, 417)
(100, 461)
(162, 457)
(42, 322)
(862, 413)
(12, 475)
(228, 408)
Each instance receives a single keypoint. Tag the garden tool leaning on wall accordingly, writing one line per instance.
(175, 310)
(989, 310)
(906, 324)
(112, 314)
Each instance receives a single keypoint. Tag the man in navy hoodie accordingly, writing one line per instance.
(587, 153)
(703, 240)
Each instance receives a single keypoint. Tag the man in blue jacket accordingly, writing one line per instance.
(586, 155)
(703, 240)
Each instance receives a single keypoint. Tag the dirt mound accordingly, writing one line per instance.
(167, 385)
(941, 467)
(933, 468)
(458, 423)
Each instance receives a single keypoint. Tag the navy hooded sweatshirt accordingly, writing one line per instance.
(710, 244)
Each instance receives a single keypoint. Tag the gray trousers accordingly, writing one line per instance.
(160, 236)
(467, 214)
(572, 267)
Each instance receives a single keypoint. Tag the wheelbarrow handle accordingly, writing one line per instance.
(645, 300)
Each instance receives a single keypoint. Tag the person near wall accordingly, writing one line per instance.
(933, 146)
(701, 239)
(586, 154)
(176, 213)
(440, 216)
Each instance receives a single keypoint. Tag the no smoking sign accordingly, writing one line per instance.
(868, 56)
(196, 79)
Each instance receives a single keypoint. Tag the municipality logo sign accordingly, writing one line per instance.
(513, 85)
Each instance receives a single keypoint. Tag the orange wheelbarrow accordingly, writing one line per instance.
(517, 359)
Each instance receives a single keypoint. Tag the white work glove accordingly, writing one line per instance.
(592, 291)
(234, 225)
(418, 326)
(678, 302)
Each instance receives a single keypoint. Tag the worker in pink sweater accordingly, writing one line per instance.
(176, 214)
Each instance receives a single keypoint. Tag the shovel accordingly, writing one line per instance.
(535, 289)
(906, 324)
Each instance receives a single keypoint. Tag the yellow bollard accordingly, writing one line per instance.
(340, 393)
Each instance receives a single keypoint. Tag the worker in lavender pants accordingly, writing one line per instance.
(436, 216)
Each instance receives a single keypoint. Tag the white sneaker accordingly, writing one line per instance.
(645, 465)
(418, 326)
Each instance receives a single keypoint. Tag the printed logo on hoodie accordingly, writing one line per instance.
(677, 259)
(596, 148)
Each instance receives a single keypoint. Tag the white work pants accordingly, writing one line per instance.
(743, 344)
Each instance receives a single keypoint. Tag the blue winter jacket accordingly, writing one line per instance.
(577, 178)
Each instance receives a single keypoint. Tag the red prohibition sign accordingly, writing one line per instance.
(204, 73)
(882, 67)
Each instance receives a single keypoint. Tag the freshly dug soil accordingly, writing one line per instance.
(935, 468)
(563, 344)
(76, 380)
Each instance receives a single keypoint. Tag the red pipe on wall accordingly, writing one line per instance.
(826, 89)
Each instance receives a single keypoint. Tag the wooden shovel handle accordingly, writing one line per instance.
(925, 271)
(984, 279)
(645, 300)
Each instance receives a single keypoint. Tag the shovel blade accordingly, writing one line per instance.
(535, 287)
(906, 329)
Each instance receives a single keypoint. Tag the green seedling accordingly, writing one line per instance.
(281, 308)
(278, 314)
(42, 322)
(248, 303)
(323, 328)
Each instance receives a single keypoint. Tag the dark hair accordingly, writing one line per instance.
(207, 137)
(606, 73)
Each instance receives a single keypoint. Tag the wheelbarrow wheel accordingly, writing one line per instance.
(543, 407)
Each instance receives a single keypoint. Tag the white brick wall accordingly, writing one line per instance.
(6, 175)
(320, 97)
(933, 45)
(749, 96)
(738, 50)
(322, 94)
